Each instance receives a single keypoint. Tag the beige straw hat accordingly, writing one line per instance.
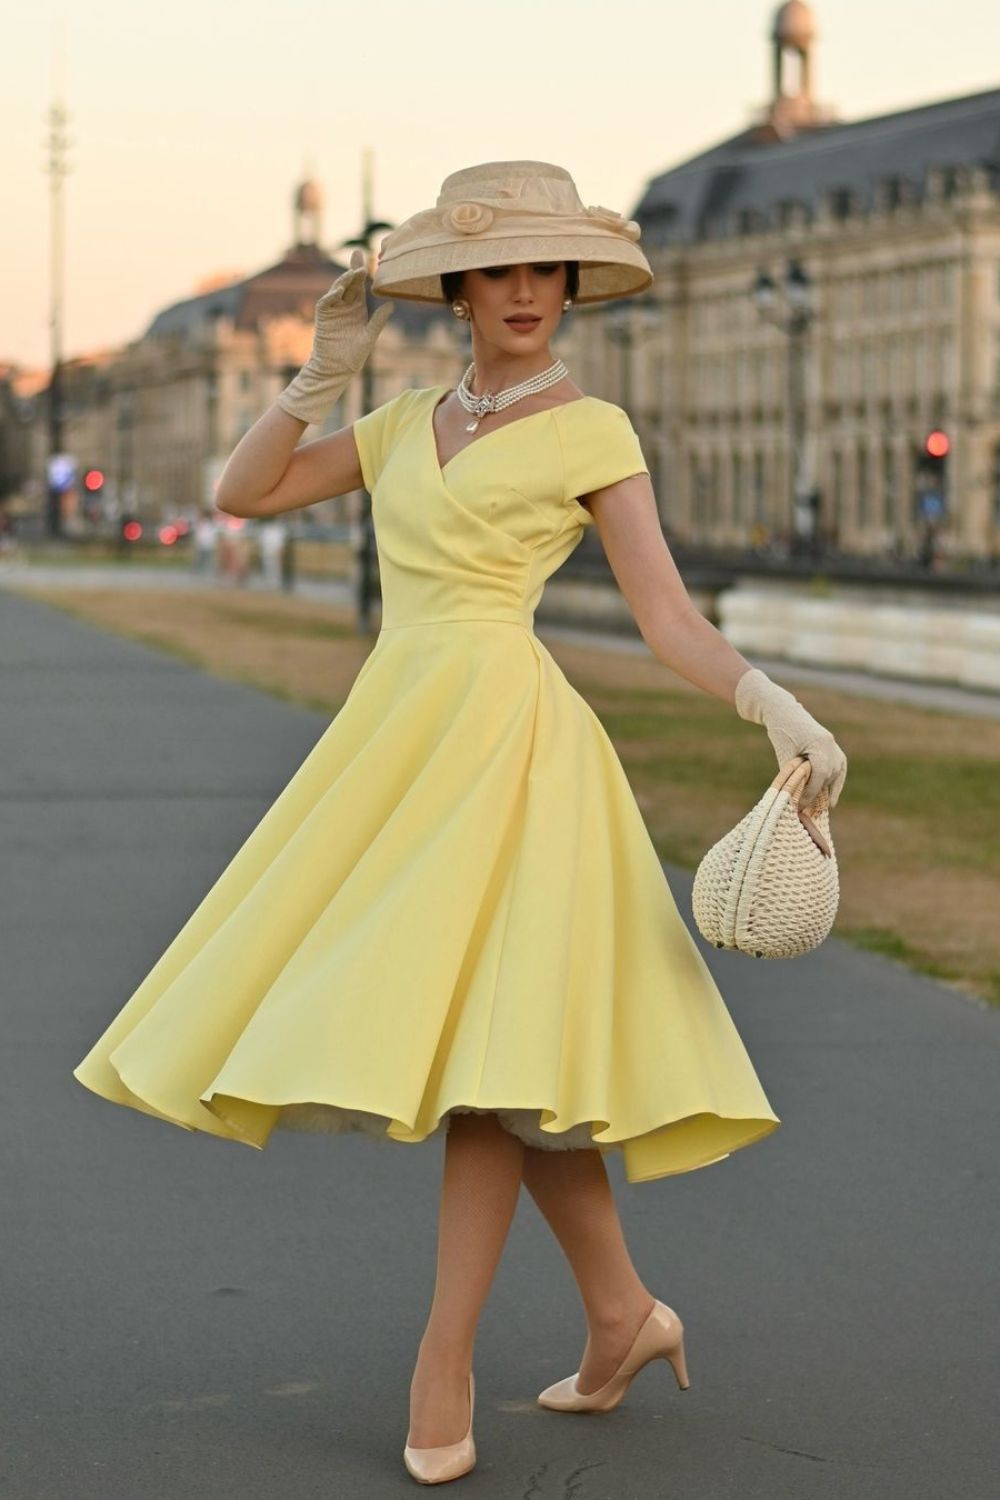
(505, 213)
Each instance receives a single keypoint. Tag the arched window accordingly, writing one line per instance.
(712, 496)
(890, 506)
(863, 511)
(694, 490)
(837, 493)
(738, 515)
(759, 487)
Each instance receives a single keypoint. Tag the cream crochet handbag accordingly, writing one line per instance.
(770, 886)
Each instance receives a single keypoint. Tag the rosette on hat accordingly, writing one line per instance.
(467, 218)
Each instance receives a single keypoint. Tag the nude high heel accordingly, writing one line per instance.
(660, 1337)
(434, 1465)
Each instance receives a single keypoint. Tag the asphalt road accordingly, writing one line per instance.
(184, 1316)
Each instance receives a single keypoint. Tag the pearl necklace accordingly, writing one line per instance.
(481, 405)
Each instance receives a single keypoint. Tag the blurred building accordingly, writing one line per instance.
(161, 415)
(896, 223)
(20, 391)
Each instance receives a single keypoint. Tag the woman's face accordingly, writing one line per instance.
(500, 295)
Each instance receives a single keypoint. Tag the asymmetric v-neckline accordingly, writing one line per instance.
(442, 468)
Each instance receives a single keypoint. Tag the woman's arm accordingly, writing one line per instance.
(680, 636)
(670, 623)
(267, 473)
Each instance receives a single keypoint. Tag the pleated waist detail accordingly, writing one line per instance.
(512, 617)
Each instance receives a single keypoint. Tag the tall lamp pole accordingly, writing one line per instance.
(366, 531)
(57, 168)
(795, 318)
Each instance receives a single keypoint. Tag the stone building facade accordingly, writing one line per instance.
(895, 223)
(161, 415)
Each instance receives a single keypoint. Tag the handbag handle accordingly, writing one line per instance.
(793, 776)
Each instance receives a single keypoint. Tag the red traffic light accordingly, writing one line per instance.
(937, 444)
(93, 479)
(132, 531)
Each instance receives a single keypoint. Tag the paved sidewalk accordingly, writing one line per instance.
(144, 576)
(186, 1316)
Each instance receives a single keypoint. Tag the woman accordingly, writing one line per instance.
(453, 917)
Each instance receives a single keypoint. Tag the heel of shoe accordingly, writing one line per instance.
(660, 1337)
(678, 1363)
(673, 1349)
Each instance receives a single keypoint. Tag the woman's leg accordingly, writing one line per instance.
(572, 1190)
(482, 1179)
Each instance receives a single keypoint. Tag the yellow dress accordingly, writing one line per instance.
(454, 904)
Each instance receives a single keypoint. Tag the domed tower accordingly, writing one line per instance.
(794, 30)
(793, 105)
(308, 208)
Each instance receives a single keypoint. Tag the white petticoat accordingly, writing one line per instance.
(333, 1120)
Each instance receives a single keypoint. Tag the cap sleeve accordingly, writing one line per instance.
(376, 432)
(599, 447)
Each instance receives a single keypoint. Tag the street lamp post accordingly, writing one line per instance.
(795, 319)
(366, 530)
(58, 168)
(626, 322)
(366, 536)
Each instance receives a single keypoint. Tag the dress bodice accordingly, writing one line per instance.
(477, 537)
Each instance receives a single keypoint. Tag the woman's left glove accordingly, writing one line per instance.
(793, 731)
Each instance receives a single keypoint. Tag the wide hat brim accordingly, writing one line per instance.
(510, 213)
(608, 268)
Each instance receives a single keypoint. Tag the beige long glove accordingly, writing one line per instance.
(793, 731)
(343, 339)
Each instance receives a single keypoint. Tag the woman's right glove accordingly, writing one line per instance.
(343, 339)
(793, 731)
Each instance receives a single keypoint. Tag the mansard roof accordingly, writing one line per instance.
(753, 173)
(291, 286)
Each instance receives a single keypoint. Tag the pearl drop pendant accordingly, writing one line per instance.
(500, 400)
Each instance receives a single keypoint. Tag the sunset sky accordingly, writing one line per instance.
(191, 123)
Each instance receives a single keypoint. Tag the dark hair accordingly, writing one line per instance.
(451, 281)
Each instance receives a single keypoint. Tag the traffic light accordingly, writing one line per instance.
(932, 475)
(93, 490)
(937, 446)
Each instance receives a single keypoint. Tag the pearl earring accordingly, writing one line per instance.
(567, 304)
(460, 309)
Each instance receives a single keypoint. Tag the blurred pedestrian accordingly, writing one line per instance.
(205, 536)
(273, 536)
(241, 555)
(233, 551)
